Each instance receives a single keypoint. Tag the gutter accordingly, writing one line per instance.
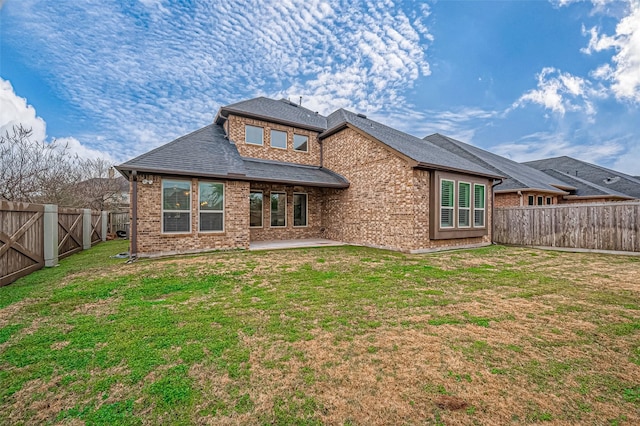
(495, 183)
(133, 228)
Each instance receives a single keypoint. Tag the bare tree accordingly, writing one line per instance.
(39, 172)
(30, 170)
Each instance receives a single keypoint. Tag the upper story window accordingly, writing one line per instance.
(211, 206)
(176, 206)
(278, 139)
(254, 135)
(300, 143)
(531, 200)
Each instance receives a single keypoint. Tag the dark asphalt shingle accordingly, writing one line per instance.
(518, 177)
(278, 110)
(420, 150)
(208, 153)
(601, 176)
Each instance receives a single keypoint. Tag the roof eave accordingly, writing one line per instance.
(458, 170)
(239, 113)
(544, 191)
(591, 197)
(230, 176)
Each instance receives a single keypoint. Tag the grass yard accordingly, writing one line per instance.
(336, 335)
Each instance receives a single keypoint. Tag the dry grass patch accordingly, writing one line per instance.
(334, 335)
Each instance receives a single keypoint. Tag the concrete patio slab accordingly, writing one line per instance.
(286, 244)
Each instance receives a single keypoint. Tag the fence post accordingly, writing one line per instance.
(105, 219)
(86, 229)
(50, 235)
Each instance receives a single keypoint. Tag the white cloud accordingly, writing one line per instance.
(545, 145)
(624, 71)
(166, 70)
(14, 111)
(561, 92)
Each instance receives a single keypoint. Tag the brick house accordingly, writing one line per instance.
(272, 170)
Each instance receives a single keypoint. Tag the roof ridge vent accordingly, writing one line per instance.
(361, 115)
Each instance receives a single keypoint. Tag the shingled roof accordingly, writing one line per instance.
(584, 188)
(208, 153)
(610, 180)
(425, 153)
(280, 111)
(518, 176)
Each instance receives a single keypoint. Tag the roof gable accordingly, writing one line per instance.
(518, 176)
(423, 152)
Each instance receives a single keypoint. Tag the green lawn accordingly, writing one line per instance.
(336, 335)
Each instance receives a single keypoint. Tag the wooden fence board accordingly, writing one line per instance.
(70, 231)
(596, 226)
(96, 227)
(21, 240)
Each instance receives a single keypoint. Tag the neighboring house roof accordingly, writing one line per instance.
(208, 153)
(518, 177)
(281, 111)
(611, 180)
(585, 189)
(425, 153)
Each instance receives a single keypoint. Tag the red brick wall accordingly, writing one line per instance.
(151, 240)
(266, 152)
(290, 232)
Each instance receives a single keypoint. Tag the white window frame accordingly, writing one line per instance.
(286, 139)
(483, 209)
(246, 126)
(294, 142)
(200, 211)
(468, 209)
(306, 213)
(271, 211)
(453, 208)
(163, 211)
(255, 191)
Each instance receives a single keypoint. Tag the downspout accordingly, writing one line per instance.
(133, 229)
(493, 204)
(521, 198)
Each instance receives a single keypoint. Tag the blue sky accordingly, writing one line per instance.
(524, 79)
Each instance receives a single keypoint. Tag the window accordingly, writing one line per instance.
(253, 135)
(479, 192)
(300, 143)
(447, 197)
(549, 200)
(176, 206)
(531, 200)
(464, 205)
(255, 209)
(211, 206)
(540, 199)
(278, 209)
(299, 209)
(278, 139)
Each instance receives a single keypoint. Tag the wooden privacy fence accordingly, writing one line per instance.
(118, 221)
(597, 226)
(34, 235)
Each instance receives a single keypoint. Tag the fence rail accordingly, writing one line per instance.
(35, 235)
(594, 226)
